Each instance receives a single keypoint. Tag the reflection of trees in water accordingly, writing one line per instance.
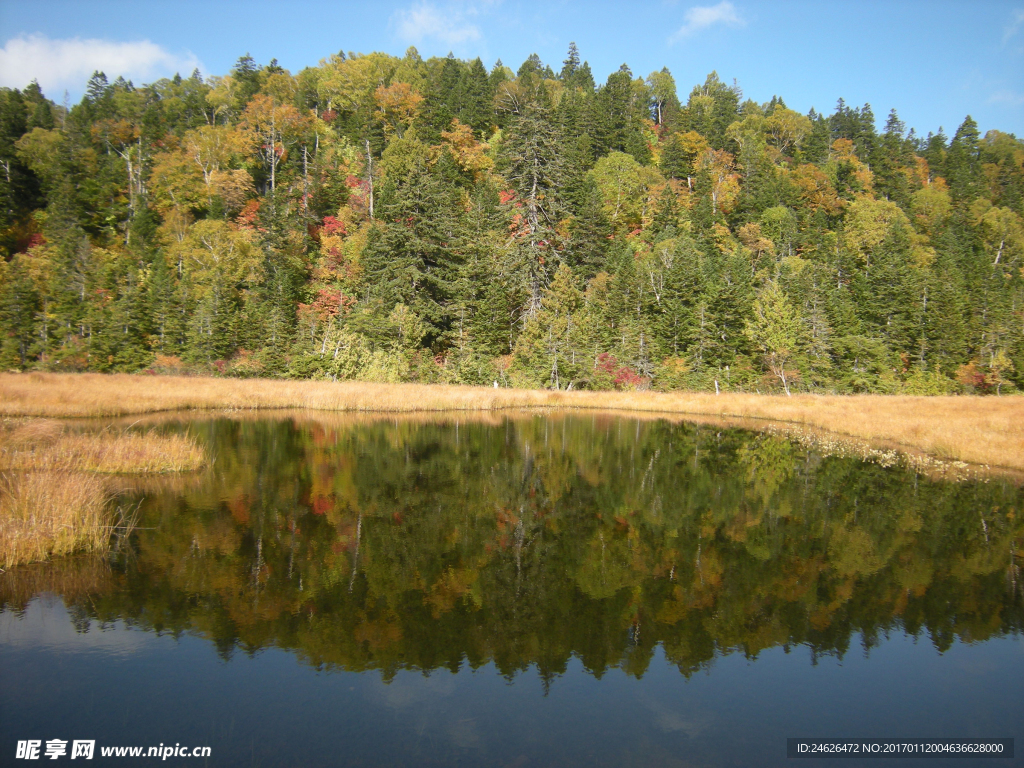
(398, 545)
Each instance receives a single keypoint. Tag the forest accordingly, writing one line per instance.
(399, 219)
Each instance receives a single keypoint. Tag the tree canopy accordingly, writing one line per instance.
(536, 228)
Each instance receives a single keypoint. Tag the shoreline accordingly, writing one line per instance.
(983, 431)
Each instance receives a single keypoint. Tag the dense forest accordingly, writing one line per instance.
(401, 219)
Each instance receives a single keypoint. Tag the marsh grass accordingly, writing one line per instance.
(976, 430)
(44, 444)
(53, 499)
(44, 514)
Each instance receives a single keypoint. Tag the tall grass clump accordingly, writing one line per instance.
(43, 444)
(44, 514)
(53, 500)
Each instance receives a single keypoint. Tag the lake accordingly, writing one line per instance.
(523, 590)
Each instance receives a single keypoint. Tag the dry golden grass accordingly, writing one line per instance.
(47, 445)
(52, 502)
(51, 513)
(978, 430)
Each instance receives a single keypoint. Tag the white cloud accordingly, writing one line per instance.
(1006, 97)
(68, 64)
(1016, 22)
(424, 21)
(703, 16)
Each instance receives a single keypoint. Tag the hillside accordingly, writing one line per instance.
(397, 219)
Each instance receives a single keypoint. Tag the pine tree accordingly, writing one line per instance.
(622, 106)
(934, 151)
(19, 186)
(711, 109)
(892, 156)
(413, 255)
(962, 165)
(816, 146)
(676, 324)
(165, 308)
(570, 67)
(247, 76)
(477, 99)
(19, 309)
(531, 160)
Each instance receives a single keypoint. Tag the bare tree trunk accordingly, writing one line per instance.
(369, 175)
(273, 150)
(305, 179)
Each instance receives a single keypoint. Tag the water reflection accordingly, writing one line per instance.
(381, 544)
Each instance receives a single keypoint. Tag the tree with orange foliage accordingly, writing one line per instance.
(272, 127)
(397, 106)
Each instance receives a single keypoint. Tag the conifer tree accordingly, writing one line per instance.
(532, 162)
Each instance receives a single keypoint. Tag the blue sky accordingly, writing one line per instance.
(935, 61)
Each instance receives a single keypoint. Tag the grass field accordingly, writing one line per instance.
(978, 430)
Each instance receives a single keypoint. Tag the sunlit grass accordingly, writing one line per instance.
(44, 514)
(52, 498)
(979, 430)
(47, 445)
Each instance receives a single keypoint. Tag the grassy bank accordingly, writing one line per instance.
(977, 430)
(44, 444)
(52, 498)
(44, 514)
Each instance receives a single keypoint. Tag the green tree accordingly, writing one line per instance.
(775, 330)
(548, 350)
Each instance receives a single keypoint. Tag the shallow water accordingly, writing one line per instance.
(557, 590)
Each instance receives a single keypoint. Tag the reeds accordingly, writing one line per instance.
(44, 514)
(48, 445)
(977, 430)
(52, 500)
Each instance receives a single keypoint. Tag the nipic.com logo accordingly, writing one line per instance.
(53, 749)
(29, 750)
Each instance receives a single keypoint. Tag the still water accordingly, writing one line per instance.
(524, 591)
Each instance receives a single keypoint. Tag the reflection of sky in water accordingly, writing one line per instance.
(46, 624)
(123, 685)
(315, 589)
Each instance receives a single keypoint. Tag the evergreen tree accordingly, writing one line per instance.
(246, 74)
(711, 109)
(892, 156)
(622, 106)
(532, 162)
(962, 163)
(816, 146)
(476, 109)
(413, 256)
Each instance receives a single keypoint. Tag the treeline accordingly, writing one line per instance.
(396, 219)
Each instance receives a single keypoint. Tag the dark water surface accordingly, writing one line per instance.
(528, 591)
